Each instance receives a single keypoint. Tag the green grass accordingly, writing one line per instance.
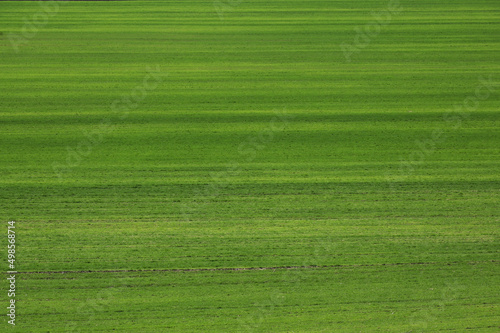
(261, 147)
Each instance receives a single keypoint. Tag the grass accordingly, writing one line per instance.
(260, 146)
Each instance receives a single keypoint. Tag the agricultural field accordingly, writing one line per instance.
(250, 166)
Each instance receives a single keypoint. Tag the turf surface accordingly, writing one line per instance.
(223, 167)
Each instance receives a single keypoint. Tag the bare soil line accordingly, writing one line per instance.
(250, 268)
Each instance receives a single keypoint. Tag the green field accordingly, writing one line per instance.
(251, 166)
